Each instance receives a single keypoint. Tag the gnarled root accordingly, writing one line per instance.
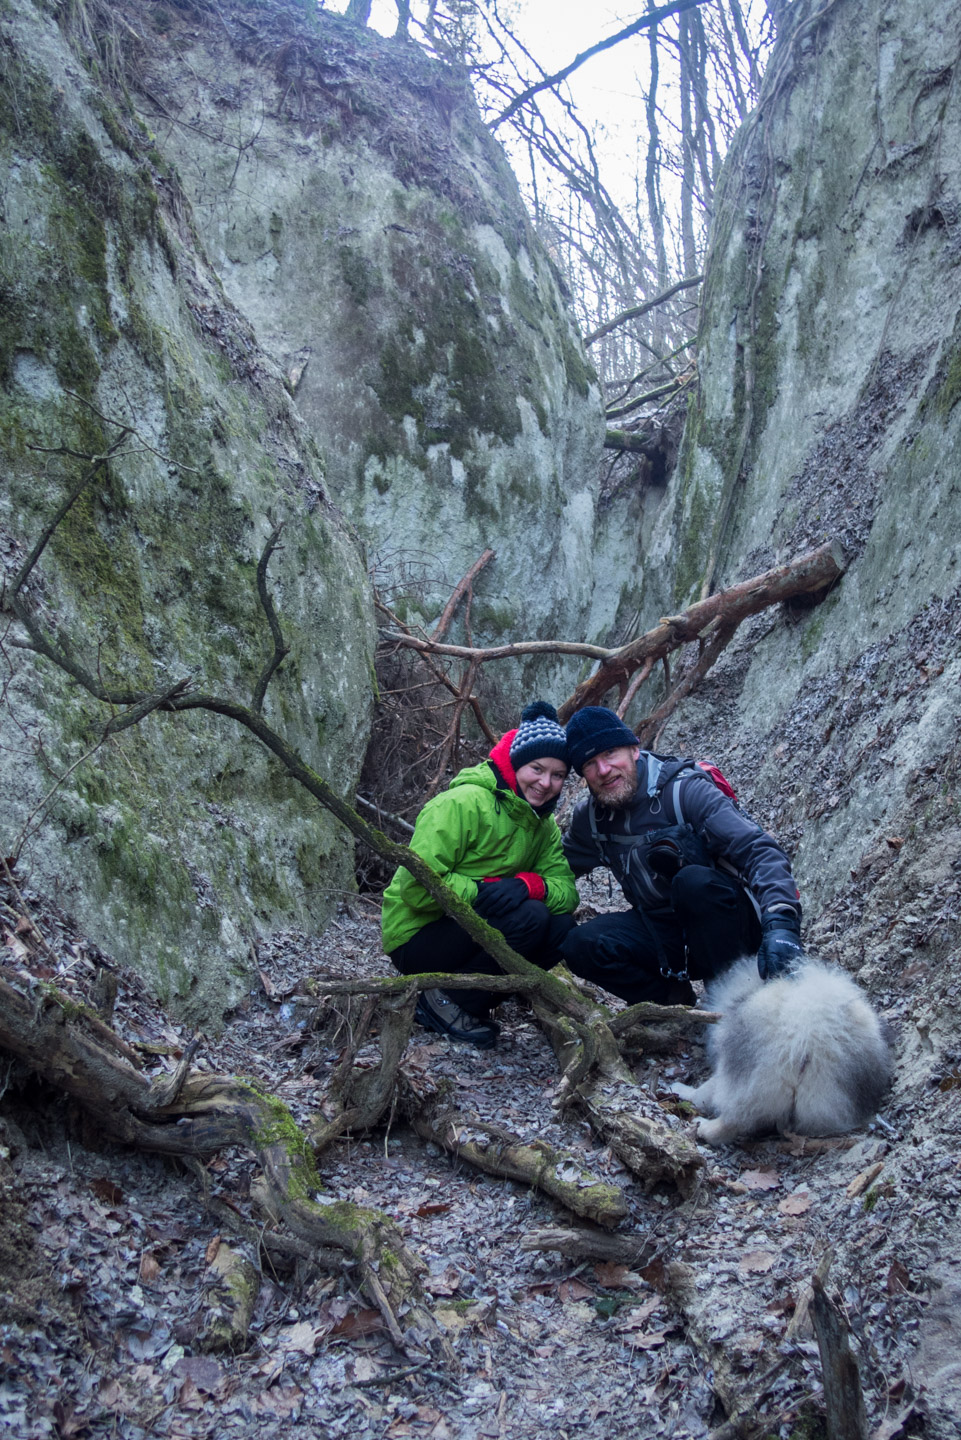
(558, 1173)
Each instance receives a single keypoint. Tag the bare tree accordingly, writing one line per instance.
(621, 239)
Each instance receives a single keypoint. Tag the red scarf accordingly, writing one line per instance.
(502, 759)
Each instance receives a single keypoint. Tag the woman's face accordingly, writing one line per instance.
(541, 780)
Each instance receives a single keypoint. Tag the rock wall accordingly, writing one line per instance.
(177, 841)
(829, 382)
(360, 215)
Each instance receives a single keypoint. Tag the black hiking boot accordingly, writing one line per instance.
(678, 992)
(438, 1012)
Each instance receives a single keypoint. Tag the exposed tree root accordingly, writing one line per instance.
(496, 1151)
(230, 1301)
(593, 1070)
(582, 1244)
(595, 1075)
(211, 1112)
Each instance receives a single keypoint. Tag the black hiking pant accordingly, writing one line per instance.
(530, 929)
(640, 957)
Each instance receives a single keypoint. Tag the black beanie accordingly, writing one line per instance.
(538, 736)
(593, 730)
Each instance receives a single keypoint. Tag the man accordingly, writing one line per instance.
(706, 885)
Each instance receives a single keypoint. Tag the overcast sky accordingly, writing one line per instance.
(604, 89)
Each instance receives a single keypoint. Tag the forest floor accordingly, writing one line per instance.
(107, 1256)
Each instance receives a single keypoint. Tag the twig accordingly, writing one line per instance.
(281, 651)
(382, 815)
(635, 685)
(636, 311)
(652, 17)
(460, 590)
(651, 729)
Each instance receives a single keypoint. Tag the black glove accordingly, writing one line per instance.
(496, 898)
(781, 950)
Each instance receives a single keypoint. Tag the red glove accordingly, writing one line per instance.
(536, 885)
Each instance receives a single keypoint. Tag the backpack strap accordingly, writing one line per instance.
(599, 841)
(662, 771)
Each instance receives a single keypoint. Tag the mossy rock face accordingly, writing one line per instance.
(179, 841)
(827, 408)
(373, 233)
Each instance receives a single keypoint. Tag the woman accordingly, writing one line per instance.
(492, 836)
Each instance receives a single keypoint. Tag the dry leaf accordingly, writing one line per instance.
(656, 1274)
(203, 1371)
(110, 1395)
(756, 1262)
(188, 1396)
(106, 1190)
(279, 1402)
(797, 1204)
(302, 1338)
(651, 1341)
(895, 841)
(611, 1276)
(574, 1290)
(210, 1254)
(761, 1179)
(898, 1279)
(149, 1268)
(446, 1284)
(17, 946)
(358, 1324)
(640, 1314)
(365, 1368)
(434, 1207)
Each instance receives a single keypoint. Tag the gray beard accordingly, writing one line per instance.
(622, 801)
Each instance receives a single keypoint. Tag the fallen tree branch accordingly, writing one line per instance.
(400, 984)
(649, 730)
(383, 815)
(631, 1250)
(438, 675)
(636, 441)
(670, 387)
(843, 1397)
(598, 1079)
(460, 590)
(817, 570)
(496, 652)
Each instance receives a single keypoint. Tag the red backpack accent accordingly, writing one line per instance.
(720, 779)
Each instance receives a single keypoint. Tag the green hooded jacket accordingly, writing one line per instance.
(476, 830)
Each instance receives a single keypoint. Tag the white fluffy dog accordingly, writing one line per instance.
(804, 1053)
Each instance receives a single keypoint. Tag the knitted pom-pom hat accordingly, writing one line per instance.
(538, 736)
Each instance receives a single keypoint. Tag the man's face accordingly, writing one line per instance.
(612, 776)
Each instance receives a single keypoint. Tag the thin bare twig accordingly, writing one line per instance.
(280, 651)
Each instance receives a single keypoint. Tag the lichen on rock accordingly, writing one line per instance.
(178, 842)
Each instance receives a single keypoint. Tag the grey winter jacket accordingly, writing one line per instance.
(734, 842)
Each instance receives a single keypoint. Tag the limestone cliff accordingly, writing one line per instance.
(829, 382)
(176, 842)
(360, 215)
(266, 259)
